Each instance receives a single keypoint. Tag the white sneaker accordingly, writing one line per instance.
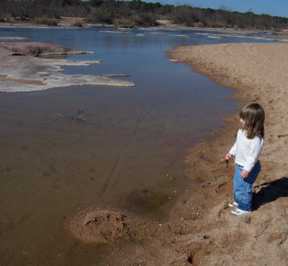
(233, 204)
(238, 212)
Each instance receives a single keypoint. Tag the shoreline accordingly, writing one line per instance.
(173, 27)
(200, 229)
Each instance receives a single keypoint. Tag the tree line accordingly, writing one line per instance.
(134, 13)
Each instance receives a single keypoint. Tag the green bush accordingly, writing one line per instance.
(185, 15)
(101, 15)
(124, 22)
(46, 21)
(78, 24)
(145, 20)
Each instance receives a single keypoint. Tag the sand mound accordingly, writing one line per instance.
(98, 225)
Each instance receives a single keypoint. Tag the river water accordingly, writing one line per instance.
(131, 140)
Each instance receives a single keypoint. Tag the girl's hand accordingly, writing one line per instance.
(244, 174)
(228, 156)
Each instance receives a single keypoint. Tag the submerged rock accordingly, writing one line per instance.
(34, 73)
(37, 49)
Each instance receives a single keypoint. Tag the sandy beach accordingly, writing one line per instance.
(259, 73)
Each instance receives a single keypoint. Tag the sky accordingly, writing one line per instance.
(272, 7)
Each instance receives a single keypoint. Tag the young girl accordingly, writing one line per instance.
(246, 151)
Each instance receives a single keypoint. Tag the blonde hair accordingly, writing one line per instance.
(253, 116)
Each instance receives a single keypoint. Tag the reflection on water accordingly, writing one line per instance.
(68, 148)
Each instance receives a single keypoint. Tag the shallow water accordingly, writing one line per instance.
(65, 149)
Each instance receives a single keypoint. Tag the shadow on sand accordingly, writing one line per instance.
(270, 191)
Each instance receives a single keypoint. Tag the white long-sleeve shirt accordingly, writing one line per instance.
(246, 151)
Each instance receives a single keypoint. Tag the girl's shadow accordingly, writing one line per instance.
(270, 191)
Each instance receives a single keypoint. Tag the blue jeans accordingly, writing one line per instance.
(243, 188)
